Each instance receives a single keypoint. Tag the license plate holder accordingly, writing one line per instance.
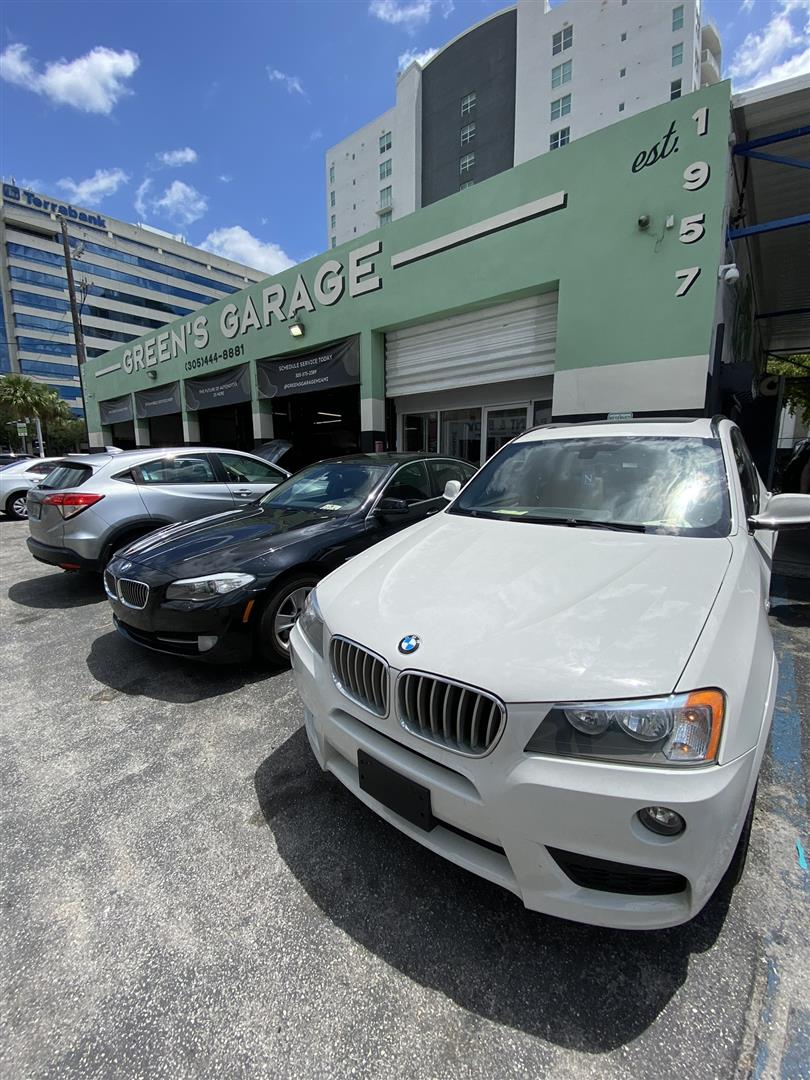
(396, 792)
(35, 510)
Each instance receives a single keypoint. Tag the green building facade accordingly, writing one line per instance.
(580, 284)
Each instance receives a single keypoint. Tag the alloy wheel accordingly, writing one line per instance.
(19, 506)
(287, 615)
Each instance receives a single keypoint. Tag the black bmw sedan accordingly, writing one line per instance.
(231, 586)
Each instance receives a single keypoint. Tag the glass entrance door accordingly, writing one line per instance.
(503, 425)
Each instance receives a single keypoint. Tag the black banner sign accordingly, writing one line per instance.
(157, 401)
(116, 410)
(223, 388)
(334, 365)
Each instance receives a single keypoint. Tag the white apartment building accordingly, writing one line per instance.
(130, 278)
(526, 80)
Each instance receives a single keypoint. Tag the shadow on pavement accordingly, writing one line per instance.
(577, 986)
(63, 590)
(141, 673)
(790, 600)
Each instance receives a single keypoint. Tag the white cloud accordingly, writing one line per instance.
(91, 191)
(408, 57)
(746, 5)
(780, 50)
(92, 83)
(238, 244)
(292, 82)
(175, 158)
(225, 179)
(405, 13)
(181, 203)
(141, 206)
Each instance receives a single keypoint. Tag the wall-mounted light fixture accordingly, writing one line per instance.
(297, 328)
(729, 273)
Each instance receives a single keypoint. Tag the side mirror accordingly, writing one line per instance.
(392, 506)
(783, 512)
(451, 489)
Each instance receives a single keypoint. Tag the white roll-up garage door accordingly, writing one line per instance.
(515, 340)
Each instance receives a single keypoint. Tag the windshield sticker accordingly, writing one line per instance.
(515, 513)
(331, 506)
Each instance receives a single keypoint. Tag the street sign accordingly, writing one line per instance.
(22, 429)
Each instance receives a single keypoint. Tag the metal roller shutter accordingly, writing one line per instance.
(515, 340)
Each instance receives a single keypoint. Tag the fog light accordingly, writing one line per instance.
(661, 820)
(204, 642)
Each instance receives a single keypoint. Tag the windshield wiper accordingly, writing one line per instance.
(620, 526)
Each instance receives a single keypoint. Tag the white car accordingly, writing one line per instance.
(17, 479)
(564, 681)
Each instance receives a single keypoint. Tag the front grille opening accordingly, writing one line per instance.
(133, 593)
(613, 877)
(360, 675)
(455, 716)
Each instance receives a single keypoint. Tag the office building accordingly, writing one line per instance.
(526, 81)
(131, 279)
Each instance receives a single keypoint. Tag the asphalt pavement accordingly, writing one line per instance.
(185, 894)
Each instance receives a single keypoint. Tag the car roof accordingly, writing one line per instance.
(146, 453)
(391, 457)
(687, 427)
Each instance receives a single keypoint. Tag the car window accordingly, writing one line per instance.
(41, 469)
(409, 483)
(243, 470)
(442, 471)
(66, 474)
(647, 483)
(333, 486)
(747, 472)
(189, 469)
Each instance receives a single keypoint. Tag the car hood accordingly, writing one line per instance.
(227, 541)
(532, 612)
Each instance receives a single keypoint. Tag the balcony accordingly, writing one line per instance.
(709, 68)
(710, 39)
(382, 207)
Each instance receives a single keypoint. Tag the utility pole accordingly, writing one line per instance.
(78, 333)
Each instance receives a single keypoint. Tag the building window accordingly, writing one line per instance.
(623, 36)
(333, 222)
(677, 17)
(385, 169)
(331, 174)
(386, 216)
(465, 184)
(466, 163)
(622, 72)
(385, 196)
(467, 134)
(563, 39)
(331, 198)
(561, 74)
(467, 104)
(333, 242)
(674, 89)
(385, 142)
(559, 138)
(677, 54)
(621, 106)
(561, 107)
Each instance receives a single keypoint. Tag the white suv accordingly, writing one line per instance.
(564, 682)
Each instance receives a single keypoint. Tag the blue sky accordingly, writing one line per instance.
(211, 118)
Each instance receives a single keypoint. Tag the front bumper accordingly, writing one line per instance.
(526, 821)
(60, 556)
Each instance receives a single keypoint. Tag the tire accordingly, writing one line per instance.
(281, 610)
(16, 507)
(734, 873)
(117, 545)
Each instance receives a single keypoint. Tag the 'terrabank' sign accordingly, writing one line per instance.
(250, 313)
(48, 206)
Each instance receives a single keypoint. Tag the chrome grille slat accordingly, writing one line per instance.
(458, 717)
(131, 593)
(360, 675)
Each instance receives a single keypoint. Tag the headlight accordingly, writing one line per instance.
(680, 729)
(310, 623)
(203, 588)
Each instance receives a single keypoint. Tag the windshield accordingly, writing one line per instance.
(638, 483)
(66, 474)
(334, 487)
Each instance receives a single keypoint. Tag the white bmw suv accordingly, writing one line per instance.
(564, 682)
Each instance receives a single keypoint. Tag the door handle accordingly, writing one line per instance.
(244, 494)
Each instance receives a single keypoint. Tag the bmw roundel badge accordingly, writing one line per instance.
(410, 643)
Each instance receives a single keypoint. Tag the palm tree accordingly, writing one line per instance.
(24, 397)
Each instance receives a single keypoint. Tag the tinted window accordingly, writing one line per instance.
(66, 474)
(747, 472)
(41, 469)
(177, 470)
(244, 470)
(442, 471)
(409, 483)
(335, 487)
(672, 485)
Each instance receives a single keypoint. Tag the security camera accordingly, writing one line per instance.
(643, 221)
(729, 273)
